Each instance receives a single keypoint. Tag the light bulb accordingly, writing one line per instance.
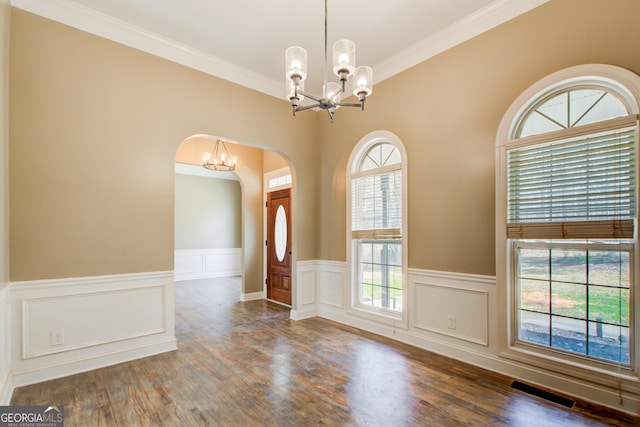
(343, 58)
(296, 64)
(362, 82)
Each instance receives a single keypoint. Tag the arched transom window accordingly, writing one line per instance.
(569, 108)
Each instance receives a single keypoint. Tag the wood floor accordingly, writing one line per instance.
(247, 364)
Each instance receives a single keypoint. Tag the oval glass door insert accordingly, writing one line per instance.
(280, 233)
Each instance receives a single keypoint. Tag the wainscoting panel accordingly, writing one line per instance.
(452, 304)
(305, 294)
(78, 324)
(206, 263)
(332, 284)
(5, 346)
(456, 312)
(106, 317)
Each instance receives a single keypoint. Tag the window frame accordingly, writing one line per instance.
(379, 315)
(593, 362)
(626, 86)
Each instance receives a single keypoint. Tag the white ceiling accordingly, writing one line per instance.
(244, 40)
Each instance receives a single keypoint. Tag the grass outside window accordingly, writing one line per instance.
(575, 299)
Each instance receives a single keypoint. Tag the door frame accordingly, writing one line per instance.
(268, 176)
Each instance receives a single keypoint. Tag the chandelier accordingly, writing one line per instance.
(219, 159)
(344, 59)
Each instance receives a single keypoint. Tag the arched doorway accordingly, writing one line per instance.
(251, 164)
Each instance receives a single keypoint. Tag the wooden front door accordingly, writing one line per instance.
(279, 246)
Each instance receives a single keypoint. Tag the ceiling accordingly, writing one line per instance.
(244, 40)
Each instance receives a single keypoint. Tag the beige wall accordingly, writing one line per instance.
(207, 212)
(447, 111)
(94, 139)
(95, 129)
(5, 14)
(273, 161)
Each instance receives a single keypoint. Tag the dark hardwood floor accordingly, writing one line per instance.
(247, 364)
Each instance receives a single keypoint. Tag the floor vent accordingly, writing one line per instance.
(543, 394)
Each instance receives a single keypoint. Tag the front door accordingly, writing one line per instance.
(279, 246)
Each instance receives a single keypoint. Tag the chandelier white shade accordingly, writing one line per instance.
(344, 67)
(219, 158)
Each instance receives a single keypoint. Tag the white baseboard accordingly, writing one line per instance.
(102, 320)
(190, 264)
(88, 363)
(7, 390)
(303, 314)
(254, 296)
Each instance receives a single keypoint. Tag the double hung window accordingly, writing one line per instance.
(376, 229)
(570, 200)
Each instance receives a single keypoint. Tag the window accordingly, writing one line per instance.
(569, 206)
(376, 231)
(280, 181)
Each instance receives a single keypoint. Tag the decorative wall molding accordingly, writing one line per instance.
(6, 383)
(41, 315)
(305, 292)
(332, 280)
(79, 324)
(439, 298)
(436, 311)
(192, 264)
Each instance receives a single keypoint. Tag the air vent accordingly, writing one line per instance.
(543, 394)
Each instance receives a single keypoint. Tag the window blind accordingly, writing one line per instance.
(575, 188)
(377, 206)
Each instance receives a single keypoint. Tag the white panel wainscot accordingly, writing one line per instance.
(305, 292)
(206, 263)
(6, 385)
(79, 324)
(332, 285)
(453, 311)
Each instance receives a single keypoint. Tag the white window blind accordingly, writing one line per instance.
(574, 188)
(377, 206)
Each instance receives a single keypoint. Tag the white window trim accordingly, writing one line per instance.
(626, 85)
(400, 320)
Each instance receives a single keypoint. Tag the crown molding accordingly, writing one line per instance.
(100, 24)
(467, 28)
(69, 13)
